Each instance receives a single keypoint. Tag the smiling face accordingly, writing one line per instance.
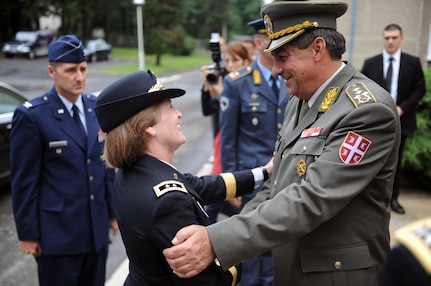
(167, 130)
(298, 68)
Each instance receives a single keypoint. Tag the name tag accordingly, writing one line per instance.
(56, 144)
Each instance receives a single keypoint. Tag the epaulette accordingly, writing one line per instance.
(240, 73)
(416, 237)
(91, 97)
(169, 186)
(35, 102)
(359, 94)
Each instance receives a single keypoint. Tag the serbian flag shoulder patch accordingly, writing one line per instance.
(353, 148)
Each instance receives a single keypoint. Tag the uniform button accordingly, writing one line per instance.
(88, 161)
(254, 108)
(275, 184)
(337, 265)
(303, 149)
(279, 111)
(255, 121)
(92, 197)
(279, 125)
(90, 178)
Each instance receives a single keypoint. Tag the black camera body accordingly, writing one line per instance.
(216, 69)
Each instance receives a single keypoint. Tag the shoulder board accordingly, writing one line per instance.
(359, 94)
(169, 186)
(90, 97)
(240, 73)
(35, 102)
(416, 237)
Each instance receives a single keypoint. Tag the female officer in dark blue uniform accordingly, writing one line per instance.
(152, 199)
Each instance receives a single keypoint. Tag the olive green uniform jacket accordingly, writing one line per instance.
(325, 212)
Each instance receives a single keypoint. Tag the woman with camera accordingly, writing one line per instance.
(234, 57)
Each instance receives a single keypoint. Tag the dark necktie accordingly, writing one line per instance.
(303, 110)
(78, 122)
(389, 75)
(274, 85)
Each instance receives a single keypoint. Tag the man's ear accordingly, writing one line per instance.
(319, 46)
(51, 71)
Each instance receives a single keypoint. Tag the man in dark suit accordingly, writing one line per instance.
(61, 189)
(405, 83)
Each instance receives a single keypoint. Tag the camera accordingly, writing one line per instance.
(216, 69)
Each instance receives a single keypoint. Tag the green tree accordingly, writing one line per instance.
(160, 18)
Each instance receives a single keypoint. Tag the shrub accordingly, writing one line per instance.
(417, 153)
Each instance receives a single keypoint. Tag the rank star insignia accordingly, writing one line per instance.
(301, 167)
(353, 148)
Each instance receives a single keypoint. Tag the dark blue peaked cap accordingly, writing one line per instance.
(67, 49)
(258, 25)
(128, 96)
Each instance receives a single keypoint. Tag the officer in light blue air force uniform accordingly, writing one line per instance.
(61, 189)
(252, 112)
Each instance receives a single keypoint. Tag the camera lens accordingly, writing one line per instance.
(212, 77)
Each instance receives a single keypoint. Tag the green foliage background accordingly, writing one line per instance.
(417, 153)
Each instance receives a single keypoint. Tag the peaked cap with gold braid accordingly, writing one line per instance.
(286, 20)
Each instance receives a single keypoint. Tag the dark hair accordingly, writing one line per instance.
(392, 27)
(335, 42)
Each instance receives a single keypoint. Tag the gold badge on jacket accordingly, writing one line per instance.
(301, 167)
(329, 99)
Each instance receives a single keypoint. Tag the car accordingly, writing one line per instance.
(10, 98)
(97, 50)
(28, 43)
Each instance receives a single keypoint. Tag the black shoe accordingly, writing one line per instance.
(396, 207)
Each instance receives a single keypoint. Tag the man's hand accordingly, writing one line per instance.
(113, 225)
(192, 251)
(31, 247)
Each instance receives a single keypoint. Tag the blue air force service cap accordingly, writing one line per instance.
(284, 21)
(258, 25)
(67, 49)
(128, 96)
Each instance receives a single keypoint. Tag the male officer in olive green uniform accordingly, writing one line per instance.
(325, 211)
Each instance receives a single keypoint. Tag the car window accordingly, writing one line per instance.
(9, 101)
(26, 36)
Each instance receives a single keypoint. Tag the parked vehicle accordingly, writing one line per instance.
(97, 50)
(10, 98)
(28, 43)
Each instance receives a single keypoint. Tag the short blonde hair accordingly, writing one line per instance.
(127, 142)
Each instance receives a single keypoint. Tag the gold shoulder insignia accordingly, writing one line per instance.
(257, 79)
(416, 236)
(169, 186)
(359, 94)
(330, 97)
(240, 73)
